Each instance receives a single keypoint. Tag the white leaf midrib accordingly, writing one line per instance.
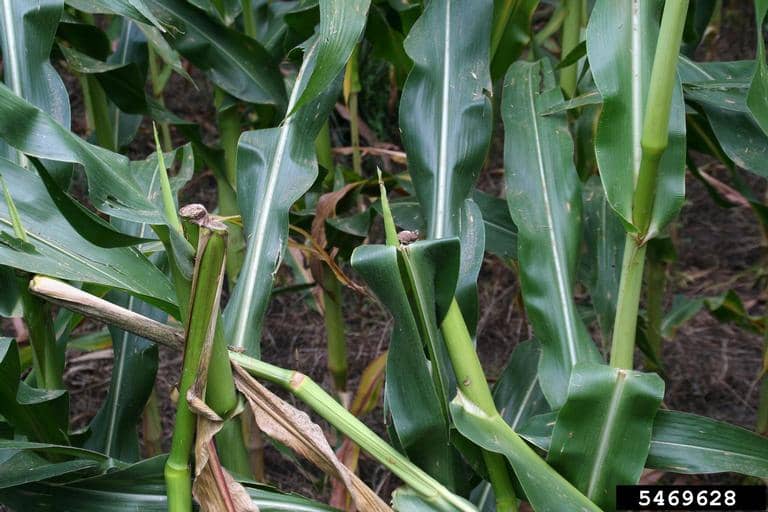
(441, 182)
(560, 268)
(243, 315)
(606, 433)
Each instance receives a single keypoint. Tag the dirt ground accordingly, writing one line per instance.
(711, 366)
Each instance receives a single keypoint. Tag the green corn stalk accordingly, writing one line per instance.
(653, 143)
(331, 288)
(201, 326)
(570, 39)
(351, 93)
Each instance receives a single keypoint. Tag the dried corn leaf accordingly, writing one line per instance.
(295, 429)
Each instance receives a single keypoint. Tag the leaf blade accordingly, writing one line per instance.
(543, 194)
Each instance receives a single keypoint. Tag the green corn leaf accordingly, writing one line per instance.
(544, 488)
(687, 443)
(544, 196)
(113, 429)
(133, 487)
(518, 397)
(684, 443)
(10, 305)
(417, 388)
(341, 24)
(500, 231)
(757, 97)
(276, 166)
(90, 226)
(445, 118)
(111, 187)
(511, 32)
(608, 446)
(59, 251)
(517, 393)
(25, 462)
(233, 61)
(621, 40)
(41, 415)
(719, 90)
(387, 42)
(18, 467)
(134, 9)
(601, 265)
(163, 50)
(124, 85)
(27, 30)
(225, 11)
(26, 37)
(132, 48)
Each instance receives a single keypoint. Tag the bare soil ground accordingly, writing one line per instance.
(711, 366)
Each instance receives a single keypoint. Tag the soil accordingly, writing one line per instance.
(711, 367)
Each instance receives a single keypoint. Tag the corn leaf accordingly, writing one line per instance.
(501, 238)
(601, 265)
(719, 91)
(544, 197)
(511, 32)
(276, 166)
(27, 30)
(341, 24)
(133, 487)
(500, 231)
(132, 48)
(233, 61)
(25, 462)
(544, 488)
(621, 40)
(59, 251)
(41, 415)
(19, 467)
(445, 118)
(113, 429)
(123, 83)
(418, 388)
(608, 446)
(517, 393)
(518, 397)
(111, 187)
(134, 9)
(684, 443)
(757, 97)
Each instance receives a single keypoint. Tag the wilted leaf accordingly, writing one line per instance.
(295, 429)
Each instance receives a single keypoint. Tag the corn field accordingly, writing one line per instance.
(603, 109)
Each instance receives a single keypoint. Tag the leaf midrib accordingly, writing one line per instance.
(441, 183)
(570, 333)
(243, 313)
(606, 434)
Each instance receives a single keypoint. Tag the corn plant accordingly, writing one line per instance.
(597, 109)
